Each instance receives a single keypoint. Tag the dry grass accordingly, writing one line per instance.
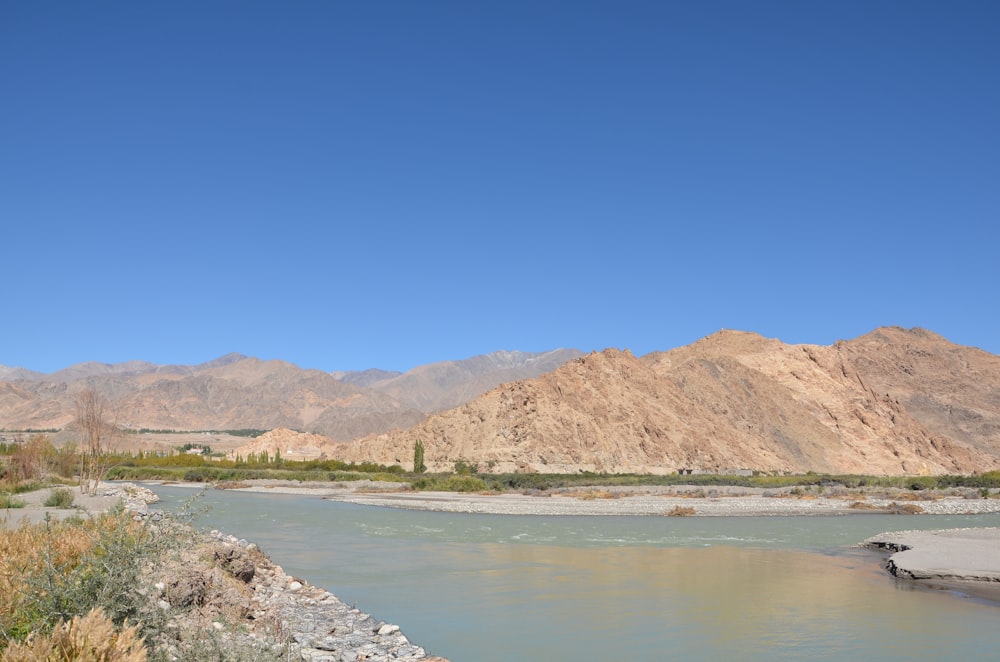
(680, 511)
(893, 508)
(90, 638)
(232, 485)
(923, 495)
(590, 495)
(903, 509)
(55, 570)
(26, 552)
(380, 489)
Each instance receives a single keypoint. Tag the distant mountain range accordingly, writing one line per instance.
(236, 391)
(894, 401)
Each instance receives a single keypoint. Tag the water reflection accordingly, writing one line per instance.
(721, 602)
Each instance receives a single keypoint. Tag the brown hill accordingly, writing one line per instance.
(290, 444)
(891, 402)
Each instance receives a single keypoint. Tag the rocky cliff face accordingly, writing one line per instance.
(891, 402)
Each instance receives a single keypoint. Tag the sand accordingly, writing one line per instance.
(34, 512)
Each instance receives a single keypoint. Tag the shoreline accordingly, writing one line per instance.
(965, 561)
(653, 501)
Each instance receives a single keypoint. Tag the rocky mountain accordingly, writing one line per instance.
(291, 445)
(366, 377)
(894, 401)
(18, 373)
(236, 391)
(439, 386)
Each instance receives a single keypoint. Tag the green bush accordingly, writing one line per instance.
(7, 501)
(27, 486)
(449, 484)
(923, 483)
(59, 498)
(464, 484)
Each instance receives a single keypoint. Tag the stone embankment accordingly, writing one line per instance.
(313, 623)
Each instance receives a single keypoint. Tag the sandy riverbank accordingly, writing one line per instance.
(35, 511)
(640, 501)
(963, 560)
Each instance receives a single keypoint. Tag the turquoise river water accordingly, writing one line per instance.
(483, 588)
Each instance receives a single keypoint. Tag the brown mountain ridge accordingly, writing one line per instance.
(239, 392)
(894, 401)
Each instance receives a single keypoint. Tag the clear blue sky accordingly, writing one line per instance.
(346, 185)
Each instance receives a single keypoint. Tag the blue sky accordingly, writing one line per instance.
(346, 185)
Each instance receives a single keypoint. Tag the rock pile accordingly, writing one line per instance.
(308, 622)
(135, 498)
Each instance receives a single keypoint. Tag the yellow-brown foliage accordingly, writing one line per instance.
(591, 494)
(680, 511)
(24, 551)
(52, 548)
(91, 638)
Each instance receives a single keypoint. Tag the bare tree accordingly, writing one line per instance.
(99, 428)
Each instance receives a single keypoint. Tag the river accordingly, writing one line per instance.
(483, 588)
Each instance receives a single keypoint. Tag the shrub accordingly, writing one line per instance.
(903, 509)
(56, 570)
(98, 564)
(59, 498)
(26, 486)
(7, 501)
(680, 511)
(231, 485)
(194, 476)
(463, 484)
(591, 494)
(450, 484)
(923, 483)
